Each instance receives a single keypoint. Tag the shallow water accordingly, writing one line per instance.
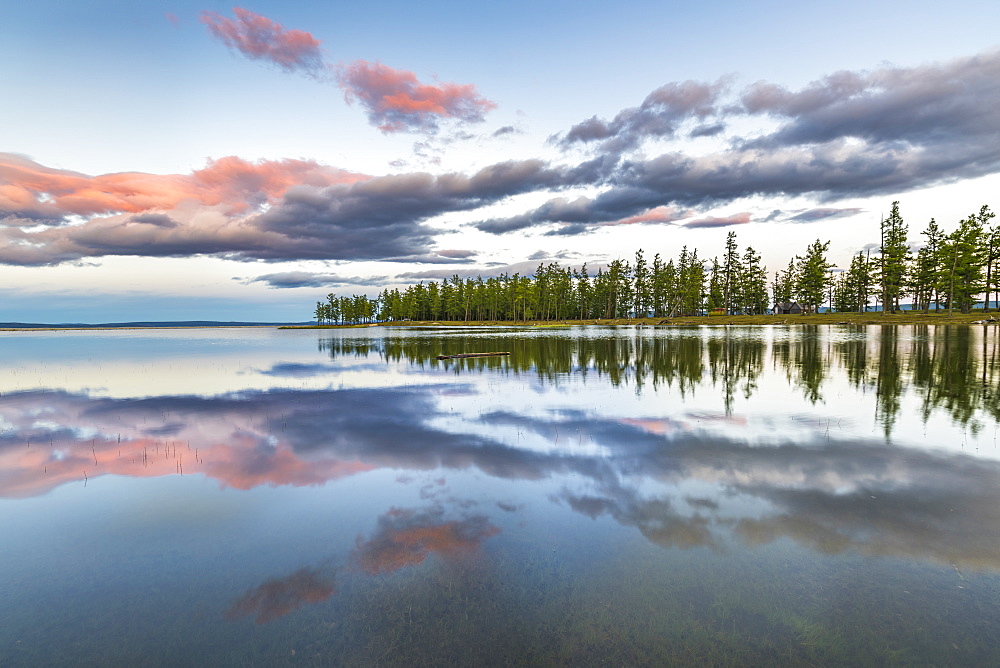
(626, 496)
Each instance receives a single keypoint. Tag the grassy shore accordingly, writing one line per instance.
(901, 318)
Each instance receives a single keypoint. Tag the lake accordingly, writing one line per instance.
(601, 496)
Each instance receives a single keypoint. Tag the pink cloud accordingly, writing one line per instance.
(660, 214)
(32, 191)
(259, 37)
(396, 100)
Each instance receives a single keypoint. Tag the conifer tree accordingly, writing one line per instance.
(892, 261)
(812, 275)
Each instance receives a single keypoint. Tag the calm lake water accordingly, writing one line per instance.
(713, 495)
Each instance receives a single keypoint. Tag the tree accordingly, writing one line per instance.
(750, 293)
(730, 272)
(892, 261)
(853, 289)
(967, 252)
(784, 283)
(812, 275)
(641, 290)
(993, 254)
(928, 273)
(716, 288)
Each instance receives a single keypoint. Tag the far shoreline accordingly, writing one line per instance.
(873, 318)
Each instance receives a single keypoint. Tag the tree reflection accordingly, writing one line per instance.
(955, 368)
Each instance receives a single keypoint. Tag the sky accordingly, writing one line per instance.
(199, 160)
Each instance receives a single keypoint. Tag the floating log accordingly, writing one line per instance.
(462, 355)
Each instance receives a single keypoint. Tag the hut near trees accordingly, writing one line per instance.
(787, 308)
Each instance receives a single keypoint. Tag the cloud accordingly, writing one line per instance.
(505, 130)
(659, 116)
(849, 134)
(259, 38)
(396, 100)
(823, 213)
(458, 253)
(156, 219)
(660, 214)
(578, 216)
(708, 130)
(846, 135)
(727, 221)
(931, 105)
(269, 210)
(46, 195)
(306, 279)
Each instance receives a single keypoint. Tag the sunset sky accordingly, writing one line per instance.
(199, 160)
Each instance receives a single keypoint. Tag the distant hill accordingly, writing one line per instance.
(144, 324)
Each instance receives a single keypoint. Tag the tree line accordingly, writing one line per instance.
(949, 270)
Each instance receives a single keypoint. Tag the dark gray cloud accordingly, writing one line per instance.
(306, 279)
(383, 217)
(715, 221)
(157, 219)
(708, 130)
(559, 209)
(847, 135)
(659, 116)
(951, 104)
(457, 253)
(850, 134)
(823, 213)
(360, 218)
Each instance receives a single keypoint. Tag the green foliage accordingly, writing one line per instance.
(892, 263)
(812, 275)
(954, 269)
(967, 250)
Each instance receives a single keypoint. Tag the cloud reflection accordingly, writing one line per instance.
(279, 596)
(681, 477)
(403, 537)
(406, 537)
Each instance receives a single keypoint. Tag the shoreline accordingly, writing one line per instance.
(902, 318)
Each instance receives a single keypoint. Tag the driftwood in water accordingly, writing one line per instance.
(452, 357)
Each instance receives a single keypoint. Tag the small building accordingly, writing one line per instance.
(787, 308)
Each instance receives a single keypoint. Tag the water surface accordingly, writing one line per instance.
(622, 496)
